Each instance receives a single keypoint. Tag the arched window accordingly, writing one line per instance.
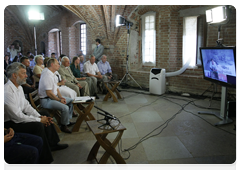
(149, 39)
(83, 38)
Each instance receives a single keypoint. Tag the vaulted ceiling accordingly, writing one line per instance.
(99, 18)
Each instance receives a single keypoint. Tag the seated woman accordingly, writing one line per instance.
(6, 63)
(21, 148)
(38, 68)
(76, 72)
(16, 59)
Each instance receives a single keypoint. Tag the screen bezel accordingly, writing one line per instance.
(214, 80)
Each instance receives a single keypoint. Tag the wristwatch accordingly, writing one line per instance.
(59, 100)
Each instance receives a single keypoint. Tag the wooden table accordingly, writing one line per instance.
(84, 113)
(102, 141)
(111, 91)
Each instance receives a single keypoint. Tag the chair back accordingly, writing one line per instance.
(35, 100)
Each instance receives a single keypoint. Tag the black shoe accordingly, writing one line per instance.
(65, 129)
(75, 115)
(50, 167)
(71, 123)
(96, 96)
(104, 92)
(118, 90)
(59, 147)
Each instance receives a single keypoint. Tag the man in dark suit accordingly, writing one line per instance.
(98, 51)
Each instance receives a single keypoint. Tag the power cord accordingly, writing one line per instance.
(165, 123)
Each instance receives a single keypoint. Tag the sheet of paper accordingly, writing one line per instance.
(84, 98)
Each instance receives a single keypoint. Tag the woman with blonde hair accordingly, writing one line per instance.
(38, 68)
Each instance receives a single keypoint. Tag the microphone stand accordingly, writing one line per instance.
(106, 118)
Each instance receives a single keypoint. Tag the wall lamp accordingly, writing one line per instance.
(34, 15)
(217, 15)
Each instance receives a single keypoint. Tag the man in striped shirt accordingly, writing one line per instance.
(105, 68)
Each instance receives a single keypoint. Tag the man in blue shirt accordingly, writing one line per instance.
(105, 68)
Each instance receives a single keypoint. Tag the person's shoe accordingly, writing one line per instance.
(118, 90)
(104, 92)
(74, 114)
(96, 96)
(71, 123)
(65, 129)
(59, 147)
(50, 167)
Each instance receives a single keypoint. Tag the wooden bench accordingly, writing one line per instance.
(35, 102)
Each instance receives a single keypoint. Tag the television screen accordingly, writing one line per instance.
(219, 65)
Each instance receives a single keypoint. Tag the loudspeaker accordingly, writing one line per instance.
(232, 108)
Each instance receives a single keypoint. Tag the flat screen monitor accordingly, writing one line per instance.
(219, 65)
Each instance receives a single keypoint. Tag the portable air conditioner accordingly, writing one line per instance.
(157, 82)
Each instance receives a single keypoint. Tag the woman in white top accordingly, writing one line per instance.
(37, 70)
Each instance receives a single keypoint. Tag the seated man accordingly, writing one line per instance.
(53, 55)
(81, 64)
(60, 58)
(51, 98)
(23, 118)
(105, 68)
(91, 69)
(32, 62)
(71, 81)
(29, 87)
(64, 90)
(27, 152)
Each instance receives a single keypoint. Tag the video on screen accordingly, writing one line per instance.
(219, 64)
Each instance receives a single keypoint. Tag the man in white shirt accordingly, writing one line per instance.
(64, 90)
(51, 98)
(91, 69)
(23, 118)
(12, 51)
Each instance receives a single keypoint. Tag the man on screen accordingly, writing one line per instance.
(214, 70)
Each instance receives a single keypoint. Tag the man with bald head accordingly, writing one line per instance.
(71, 81)
(105, 68)
(91, 69)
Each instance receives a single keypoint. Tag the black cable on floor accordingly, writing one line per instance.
(165, 123)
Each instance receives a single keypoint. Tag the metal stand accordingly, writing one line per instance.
(213, 93)
(35, 39)
(223, 112)
(127, 73)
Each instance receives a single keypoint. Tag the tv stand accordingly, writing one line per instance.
(223, 114)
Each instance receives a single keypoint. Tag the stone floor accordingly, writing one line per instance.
(169, 134)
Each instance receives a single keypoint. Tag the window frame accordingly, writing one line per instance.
(143, 17)
(80, 39)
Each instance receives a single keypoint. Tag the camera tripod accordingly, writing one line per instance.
(127, 73)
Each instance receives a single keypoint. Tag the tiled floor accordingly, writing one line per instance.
(188, 138)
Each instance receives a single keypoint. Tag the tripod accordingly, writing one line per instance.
(127, 73)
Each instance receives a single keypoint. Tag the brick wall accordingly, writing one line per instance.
(169, 48)
(169, 29)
